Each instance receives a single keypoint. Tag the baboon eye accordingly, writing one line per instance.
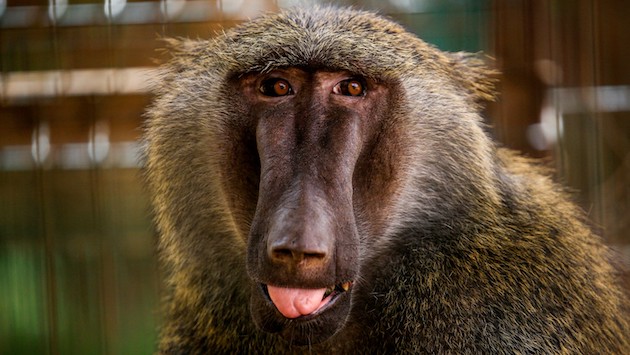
(276, 87)
(350, 87)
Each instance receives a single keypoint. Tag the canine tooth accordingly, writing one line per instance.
(345, 286)
(328, 292)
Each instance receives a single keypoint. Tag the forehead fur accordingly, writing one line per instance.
(360, 42)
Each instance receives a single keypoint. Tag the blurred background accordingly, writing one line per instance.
(78, 270)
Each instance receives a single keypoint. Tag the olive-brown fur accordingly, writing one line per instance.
(463, 247)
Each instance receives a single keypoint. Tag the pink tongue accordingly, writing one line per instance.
(295, 302)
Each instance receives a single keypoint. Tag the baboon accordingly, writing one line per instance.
(322, 181)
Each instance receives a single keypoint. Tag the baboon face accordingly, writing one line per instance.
(316, 138)
(311, 138)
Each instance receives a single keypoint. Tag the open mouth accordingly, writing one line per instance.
(299, 302)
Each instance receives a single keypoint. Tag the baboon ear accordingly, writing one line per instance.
(180, 47)
(176, 57)
(472, 71)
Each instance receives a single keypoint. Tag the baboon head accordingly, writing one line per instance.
(303, 137)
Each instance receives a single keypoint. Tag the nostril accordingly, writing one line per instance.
(296, 255)
(282, 254)
(314, 255)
